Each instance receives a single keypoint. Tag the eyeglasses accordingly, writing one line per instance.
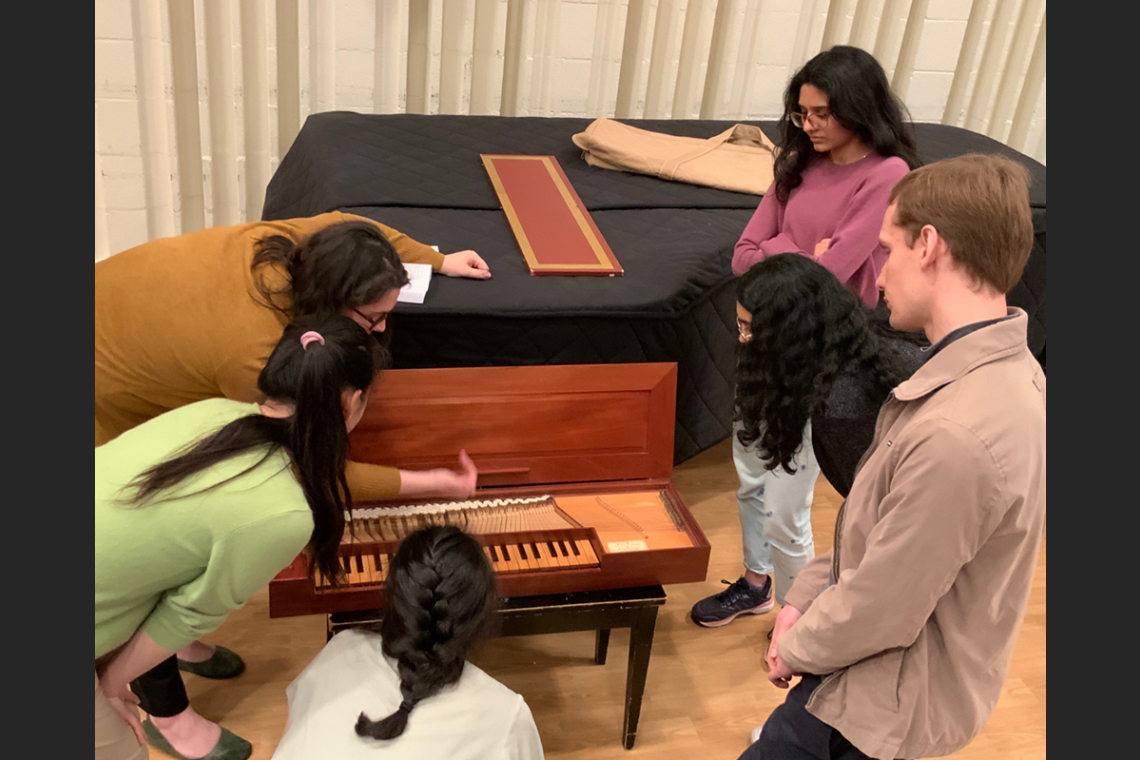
(372, 321)
(818, 119)
(744, 328)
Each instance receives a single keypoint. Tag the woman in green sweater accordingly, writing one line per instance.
(198, 508)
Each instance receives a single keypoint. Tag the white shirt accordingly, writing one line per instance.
(476, 718)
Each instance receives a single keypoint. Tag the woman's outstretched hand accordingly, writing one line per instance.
(442, 481)
(462, 484)
(465, 264)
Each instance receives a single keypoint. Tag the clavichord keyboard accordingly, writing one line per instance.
(574, 495)
(523, 535)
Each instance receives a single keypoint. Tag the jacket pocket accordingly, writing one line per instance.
(879, 678)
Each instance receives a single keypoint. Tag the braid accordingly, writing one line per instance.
(440, 594)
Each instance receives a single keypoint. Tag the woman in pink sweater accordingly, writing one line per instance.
(845, 142)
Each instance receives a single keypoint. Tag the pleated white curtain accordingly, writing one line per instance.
(196, 100)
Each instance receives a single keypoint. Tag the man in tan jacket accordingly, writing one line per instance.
(903, 632)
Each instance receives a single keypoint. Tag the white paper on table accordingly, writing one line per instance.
(416, 290)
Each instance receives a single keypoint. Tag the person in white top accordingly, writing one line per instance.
(441, 594)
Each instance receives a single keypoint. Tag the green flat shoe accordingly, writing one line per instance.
(229, 747)
(225, 663)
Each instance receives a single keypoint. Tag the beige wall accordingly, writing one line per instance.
(190, 117)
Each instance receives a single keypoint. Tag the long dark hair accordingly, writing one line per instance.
(311, 379)
(806, 329)
(441, 593)
(343, 266)
(858, 97)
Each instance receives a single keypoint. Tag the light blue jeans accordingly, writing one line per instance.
(775, 512)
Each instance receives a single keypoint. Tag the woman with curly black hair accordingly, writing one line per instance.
(441, 594)
(838, 363)
(811, 358)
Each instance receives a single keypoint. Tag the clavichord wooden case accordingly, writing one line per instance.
(597, 438)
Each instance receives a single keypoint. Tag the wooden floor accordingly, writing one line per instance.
(706, 689)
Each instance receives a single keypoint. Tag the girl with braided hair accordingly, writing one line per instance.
(413, 673)
(811, 357)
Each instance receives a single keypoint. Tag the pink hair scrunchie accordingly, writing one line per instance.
(310, 336)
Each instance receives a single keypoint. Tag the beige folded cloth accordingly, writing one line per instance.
(738, 159)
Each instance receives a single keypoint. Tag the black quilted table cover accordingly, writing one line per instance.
(422, 175)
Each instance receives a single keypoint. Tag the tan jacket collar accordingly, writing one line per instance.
(961, 357)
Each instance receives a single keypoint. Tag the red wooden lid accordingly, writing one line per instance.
(554, 229)
(525, 425)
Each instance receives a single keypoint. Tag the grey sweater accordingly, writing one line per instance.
(844, 430)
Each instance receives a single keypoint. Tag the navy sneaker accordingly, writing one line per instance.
(740, 598)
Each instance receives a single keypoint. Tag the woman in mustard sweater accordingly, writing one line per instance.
(182, 319)
(198, 508)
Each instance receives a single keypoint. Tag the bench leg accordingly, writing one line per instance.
(640, 645)
(602, 646)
